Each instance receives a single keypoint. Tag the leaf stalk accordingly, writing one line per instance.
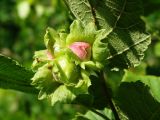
(108, 96)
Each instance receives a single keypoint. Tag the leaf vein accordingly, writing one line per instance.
(128, 48)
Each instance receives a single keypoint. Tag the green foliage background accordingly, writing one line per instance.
(22, 26)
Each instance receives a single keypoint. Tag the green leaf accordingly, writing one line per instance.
(14, 76)
(90, 116)
(55, 90)
(126, 38)
(40, 58)
(135, 100)
(67, 94)
(62, 94)
(106, 114)
(152, 82)
(100, 47)
(136, 92)
(43, 80)
(81, 32)
(81, 9)
(50, 38)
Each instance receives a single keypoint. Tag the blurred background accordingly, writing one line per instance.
(22, 27)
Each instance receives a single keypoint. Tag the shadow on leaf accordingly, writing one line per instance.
(135, 100)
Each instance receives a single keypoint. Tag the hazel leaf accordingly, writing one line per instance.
(14, 76)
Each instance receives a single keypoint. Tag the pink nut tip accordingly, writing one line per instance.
(49, 55)
(81, 49)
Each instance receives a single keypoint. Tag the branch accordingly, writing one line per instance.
(109, 96)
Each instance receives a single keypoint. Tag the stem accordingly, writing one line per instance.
(109, 96)
(93, 12)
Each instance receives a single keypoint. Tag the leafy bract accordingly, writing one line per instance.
(62, 94)
(43, 80)
(50, 38)
(60, 70)
(14, 76)
(100, 49)
(81, 33)
(125, 33)
(40, 59)
(56, 91)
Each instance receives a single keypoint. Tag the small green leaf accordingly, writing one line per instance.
(90, 65)
(43, 80)
(60, 44)
(81, 33)
(52, 81)
(100, 48)
(50, 38)
(62, 94)
(14, 76)
(72, 94)
(40, 58)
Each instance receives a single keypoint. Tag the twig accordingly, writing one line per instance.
(108, 96)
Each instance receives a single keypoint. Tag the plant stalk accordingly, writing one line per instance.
(107, 94)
